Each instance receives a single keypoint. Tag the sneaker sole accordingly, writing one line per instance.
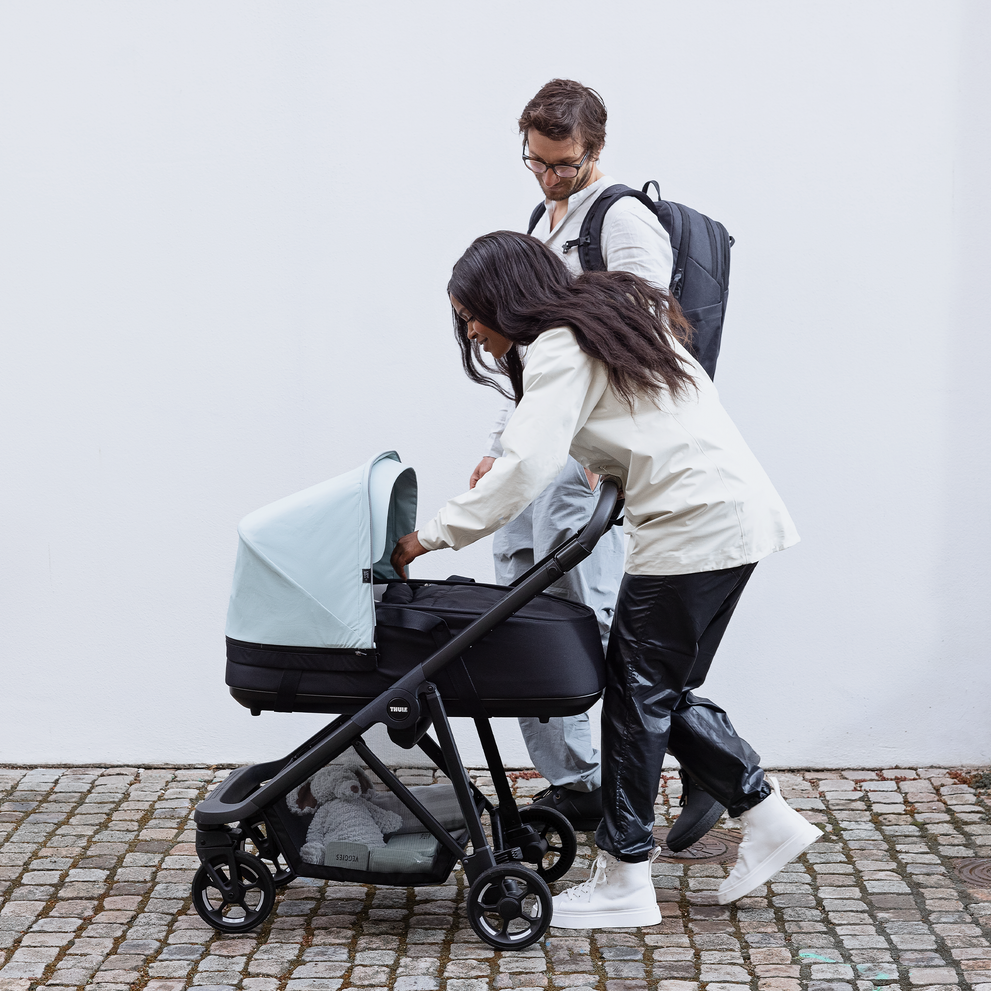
(697, 832)
(770, 865)
(620, 919)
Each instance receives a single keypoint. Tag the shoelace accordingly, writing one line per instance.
(600, 872)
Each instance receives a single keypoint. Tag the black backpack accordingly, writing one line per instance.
(700, 274)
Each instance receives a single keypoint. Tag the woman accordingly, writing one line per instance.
(597, 366)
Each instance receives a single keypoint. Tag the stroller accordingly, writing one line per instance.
(320, 622)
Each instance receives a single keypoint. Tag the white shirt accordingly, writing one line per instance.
(633, 240)
(696, 497)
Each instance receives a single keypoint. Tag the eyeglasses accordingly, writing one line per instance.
(561, 171)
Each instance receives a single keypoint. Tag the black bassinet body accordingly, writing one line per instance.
(545, 660)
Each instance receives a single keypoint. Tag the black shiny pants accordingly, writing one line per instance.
(664, 636)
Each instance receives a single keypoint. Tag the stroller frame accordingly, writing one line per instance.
(509, 902)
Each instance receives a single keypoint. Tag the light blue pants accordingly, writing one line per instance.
(561, 749)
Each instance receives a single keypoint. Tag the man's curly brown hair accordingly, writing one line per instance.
(565, 109)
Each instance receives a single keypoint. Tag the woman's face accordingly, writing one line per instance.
(490, 340)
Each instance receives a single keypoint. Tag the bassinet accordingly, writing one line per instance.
(304, 632)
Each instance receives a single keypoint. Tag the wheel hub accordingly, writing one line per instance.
(508, 908)
(535, 850)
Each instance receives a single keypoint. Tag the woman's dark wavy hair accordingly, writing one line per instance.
(517, 286)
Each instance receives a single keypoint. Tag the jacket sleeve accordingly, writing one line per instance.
(560, 388)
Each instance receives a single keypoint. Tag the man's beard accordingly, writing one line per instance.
(556, 194)
(564, 190)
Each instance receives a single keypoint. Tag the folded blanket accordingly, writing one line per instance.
(405, 853)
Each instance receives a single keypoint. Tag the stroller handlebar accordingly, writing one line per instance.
(608, 512)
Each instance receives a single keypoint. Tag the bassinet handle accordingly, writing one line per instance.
(409, 619)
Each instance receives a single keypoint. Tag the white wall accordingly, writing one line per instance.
(226, 233)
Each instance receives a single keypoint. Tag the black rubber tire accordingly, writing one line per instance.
(509, 906)
(248, 900)
(559, 834)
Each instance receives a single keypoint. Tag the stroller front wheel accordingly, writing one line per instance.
(509, 906)
(233, 901)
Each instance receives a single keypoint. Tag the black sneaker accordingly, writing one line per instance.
(583, 809)
(700, 812)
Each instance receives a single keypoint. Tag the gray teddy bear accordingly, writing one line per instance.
(335, 796)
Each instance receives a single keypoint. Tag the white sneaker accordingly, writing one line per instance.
(774, 834)
(616, 894)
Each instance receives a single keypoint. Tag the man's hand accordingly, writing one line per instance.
(481, 469)
(408, 548)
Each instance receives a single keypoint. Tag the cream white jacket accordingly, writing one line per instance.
(696, 497)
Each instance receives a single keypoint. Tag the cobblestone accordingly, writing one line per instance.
(96, 864)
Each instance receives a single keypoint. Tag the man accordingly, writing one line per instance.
(564, 130)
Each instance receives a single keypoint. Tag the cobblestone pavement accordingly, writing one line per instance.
(96, 863)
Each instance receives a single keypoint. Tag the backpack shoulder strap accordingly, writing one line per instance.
(538, 212)
(590, 237)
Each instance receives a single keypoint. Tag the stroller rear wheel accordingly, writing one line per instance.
(554, 853)
(237, 901)
(509, 906)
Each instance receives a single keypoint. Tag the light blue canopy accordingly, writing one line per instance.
(306, 564)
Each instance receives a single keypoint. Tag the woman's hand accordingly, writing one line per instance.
(481, 469)
(408, 548)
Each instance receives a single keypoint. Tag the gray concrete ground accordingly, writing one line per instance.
(96, 863)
